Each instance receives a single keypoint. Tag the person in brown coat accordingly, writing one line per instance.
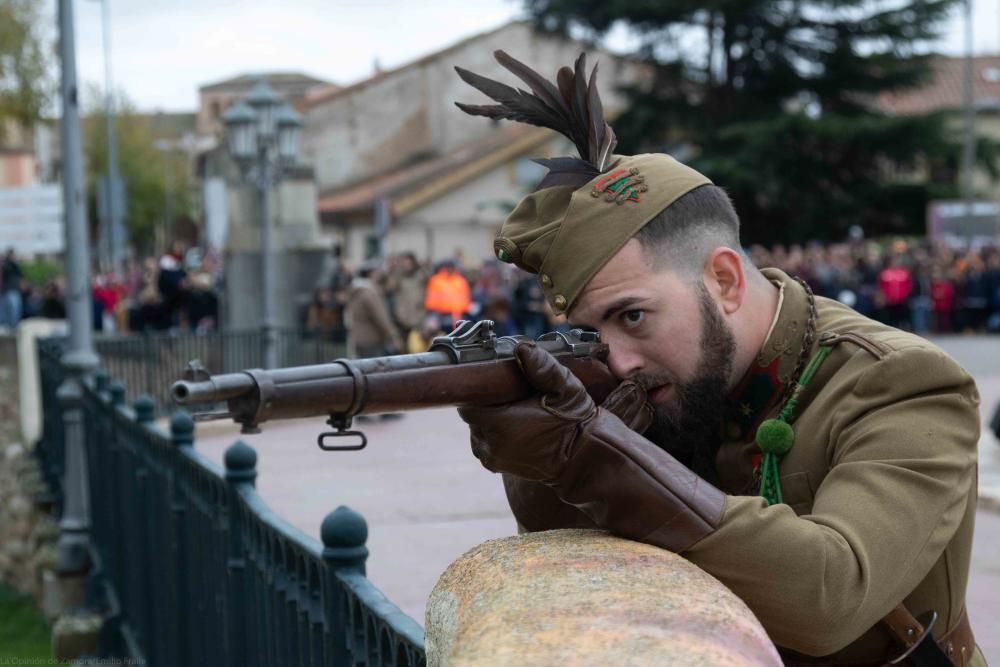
(370, 331)
(820, 464)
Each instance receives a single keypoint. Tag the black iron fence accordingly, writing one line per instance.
(193, 568)
(150, 363)
(51, 451)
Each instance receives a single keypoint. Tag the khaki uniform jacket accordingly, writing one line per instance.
(879, 487)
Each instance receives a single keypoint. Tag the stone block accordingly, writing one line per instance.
(13, 452)
(18, 507)
(76, 636)
(584, 597)
(51, 602)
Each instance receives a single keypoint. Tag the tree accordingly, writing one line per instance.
(155, 181)
(25, 83)
(775, 100)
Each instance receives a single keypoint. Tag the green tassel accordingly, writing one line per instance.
(775, 436)
(770, 482)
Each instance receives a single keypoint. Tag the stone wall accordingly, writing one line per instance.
(408, 113)
(584, 597)
(28, 529)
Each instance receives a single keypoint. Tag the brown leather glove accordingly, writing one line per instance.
(592, 460)
(536, 506)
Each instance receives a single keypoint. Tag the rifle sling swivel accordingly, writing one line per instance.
(341, 421)
(265, 394)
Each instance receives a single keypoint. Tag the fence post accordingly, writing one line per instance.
(181, 427)
(117, 392)
(101, 381)
(241, 471)
(181, 604)
(147, 358)
(344, 533)
(145, 409)
(241, 463)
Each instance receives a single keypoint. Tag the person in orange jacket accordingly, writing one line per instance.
(448, 294)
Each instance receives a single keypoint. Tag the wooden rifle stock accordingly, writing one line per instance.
(469, 366)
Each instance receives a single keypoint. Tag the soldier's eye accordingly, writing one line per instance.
(633, 318)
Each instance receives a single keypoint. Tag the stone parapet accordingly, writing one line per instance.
(583, 597)
(28, 531)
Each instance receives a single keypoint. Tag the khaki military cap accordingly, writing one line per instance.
(566, 234)
(585, 209)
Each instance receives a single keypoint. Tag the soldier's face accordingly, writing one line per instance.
(667, 333)
(662, 329)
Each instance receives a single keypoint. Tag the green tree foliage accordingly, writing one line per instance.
(155, 180)
(775, 100)
(26, 86)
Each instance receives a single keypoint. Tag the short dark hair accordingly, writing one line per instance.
(681, 235)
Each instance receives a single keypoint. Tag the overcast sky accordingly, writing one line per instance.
(162, 50)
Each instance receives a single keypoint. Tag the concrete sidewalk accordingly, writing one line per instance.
(427, 500)
(989, 447)
(980, 355)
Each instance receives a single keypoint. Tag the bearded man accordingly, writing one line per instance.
(820, 464)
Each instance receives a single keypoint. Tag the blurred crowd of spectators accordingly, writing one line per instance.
(177, 291)
(400, 304)
(918, 286)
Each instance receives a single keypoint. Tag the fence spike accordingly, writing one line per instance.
(344, 533)
(101, 380)
(241, 462)
(117, 391)
(145, 409)
(182, 429)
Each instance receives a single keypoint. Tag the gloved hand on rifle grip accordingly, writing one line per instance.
(499, 432)
(536, 506)
(593, 460)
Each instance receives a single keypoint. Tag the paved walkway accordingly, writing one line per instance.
(427, 500)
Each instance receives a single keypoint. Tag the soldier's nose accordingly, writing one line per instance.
(623, 362)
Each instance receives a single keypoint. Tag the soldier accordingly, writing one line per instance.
(820, 464)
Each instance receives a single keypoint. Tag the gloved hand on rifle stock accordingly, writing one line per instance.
(590, 459)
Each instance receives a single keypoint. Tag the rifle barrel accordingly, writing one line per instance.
(238, 385)
(384, 384)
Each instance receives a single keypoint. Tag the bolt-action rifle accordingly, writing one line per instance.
(469, 366)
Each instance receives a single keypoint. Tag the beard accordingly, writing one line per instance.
(689, 428)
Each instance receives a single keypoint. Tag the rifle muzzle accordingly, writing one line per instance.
(218, 388)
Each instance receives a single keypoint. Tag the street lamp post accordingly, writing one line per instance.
(113, 239)
(263, 135)
(74, 560)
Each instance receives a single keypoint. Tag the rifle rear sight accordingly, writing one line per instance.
(469, 366)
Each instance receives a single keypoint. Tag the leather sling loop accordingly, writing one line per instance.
(958, 644)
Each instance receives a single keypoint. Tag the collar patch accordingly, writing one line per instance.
(755, 397)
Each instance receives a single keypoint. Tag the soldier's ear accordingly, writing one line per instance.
(725, 278)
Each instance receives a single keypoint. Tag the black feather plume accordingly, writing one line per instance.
(572, 106)
(566, 171)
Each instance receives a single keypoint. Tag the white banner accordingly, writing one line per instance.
(31, 219)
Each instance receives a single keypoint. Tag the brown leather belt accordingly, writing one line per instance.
(958, 643)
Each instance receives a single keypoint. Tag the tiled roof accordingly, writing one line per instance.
(273, 78)
(411, 186)
(944, 90)
(321, 97)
